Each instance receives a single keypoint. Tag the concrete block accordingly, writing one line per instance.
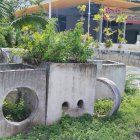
(71, 90)
(115, 72)
(30, 79)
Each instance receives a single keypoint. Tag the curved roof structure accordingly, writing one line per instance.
(61, 4)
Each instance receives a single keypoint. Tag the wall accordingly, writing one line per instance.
(131, 58)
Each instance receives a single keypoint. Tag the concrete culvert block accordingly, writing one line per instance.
(71, 90)
(115, 92)
(31, 83)
(112, 70)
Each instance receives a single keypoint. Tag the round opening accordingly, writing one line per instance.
(80, 104)
(19, 104)
(102, 107)
(65, 106)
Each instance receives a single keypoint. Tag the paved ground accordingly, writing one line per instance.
(135, 71)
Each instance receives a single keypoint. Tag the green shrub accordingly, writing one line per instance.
(108, 33)
(130, 87)
(102, 107)
(53, 46)
(7, 36)
(69, 46)
(3, 43)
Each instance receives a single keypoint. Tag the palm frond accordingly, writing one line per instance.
(4, 9)
(29, 19)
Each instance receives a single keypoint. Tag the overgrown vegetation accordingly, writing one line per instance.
(7, 37)
(130, 85)
(125, 125)
(53, 46)
(16, 111)
(102, 107)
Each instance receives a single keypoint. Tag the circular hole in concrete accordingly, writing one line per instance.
(19, 104)
(80, 104)
(65, 106)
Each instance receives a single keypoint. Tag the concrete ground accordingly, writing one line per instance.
(135, 71)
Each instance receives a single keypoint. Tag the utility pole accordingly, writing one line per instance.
(50, 9)
(89, 13)
(124, 31)
(101, 27)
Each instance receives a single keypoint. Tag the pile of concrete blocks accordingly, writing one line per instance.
(56, 88)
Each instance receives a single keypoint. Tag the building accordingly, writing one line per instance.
(68, 14)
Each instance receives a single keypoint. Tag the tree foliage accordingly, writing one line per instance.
(5, 9)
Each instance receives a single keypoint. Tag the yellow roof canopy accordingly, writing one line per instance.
(60, 4)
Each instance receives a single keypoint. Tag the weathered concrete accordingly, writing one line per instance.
(125, 47)
(35, 81)
(127, 57)
(71, 90)
(7, 55)
(112, 70)
(115, 92)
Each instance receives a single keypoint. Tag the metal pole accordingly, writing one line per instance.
(101, 28)
(124, 31)
(89, 13)
(50, 9)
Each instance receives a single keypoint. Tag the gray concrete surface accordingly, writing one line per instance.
(57, 89)
(135, 71)
(115, 93)
(112, 70)
(71, 90)
(35, 81)
(124, 56)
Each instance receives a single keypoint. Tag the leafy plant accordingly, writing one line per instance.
(17, 111)
(108, 41)
(34, 20)
(121, 39)
(121, 19)
(130, 87)
(82, 9)
(98, 17)
(102, 107)
(4, 8)
(69, 46)
(53, 46)
(8, 36)
(95, 44)
(2, 41)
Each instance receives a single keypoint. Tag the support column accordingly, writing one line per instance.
(101, 28)
(124, 31)
(89, 13)
(50, 9)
